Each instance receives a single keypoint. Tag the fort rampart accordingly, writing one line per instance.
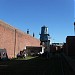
(14, 40)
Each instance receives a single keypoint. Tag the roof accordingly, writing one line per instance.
(44, 26)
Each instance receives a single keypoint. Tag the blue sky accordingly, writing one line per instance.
(57, 15)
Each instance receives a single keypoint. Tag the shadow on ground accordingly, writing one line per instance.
(36, 66)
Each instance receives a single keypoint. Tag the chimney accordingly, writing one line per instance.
(74, 23)
(27, 31)
(33, 34)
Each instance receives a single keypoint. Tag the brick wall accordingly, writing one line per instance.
(14, 40)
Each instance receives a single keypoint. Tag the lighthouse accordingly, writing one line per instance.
(45, 38)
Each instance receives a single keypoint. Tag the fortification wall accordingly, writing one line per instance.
(14, 40)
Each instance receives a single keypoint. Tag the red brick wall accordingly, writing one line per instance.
(14, 40)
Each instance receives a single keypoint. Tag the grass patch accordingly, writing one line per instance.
(26, 58)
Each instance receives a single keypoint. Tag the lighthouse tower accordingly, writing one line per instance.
(45, 38)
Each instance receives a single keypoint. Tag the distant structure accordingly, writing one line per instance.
(45, 38)
(56, 47)
(58, 44)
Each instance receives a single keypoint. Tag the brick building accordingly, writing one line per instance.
(70, 45)
(14, 40)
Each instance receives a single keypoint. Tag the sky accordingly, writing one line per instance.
(57, 15)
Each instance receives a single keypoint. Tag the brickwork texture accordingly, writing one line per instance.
(14, 40)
